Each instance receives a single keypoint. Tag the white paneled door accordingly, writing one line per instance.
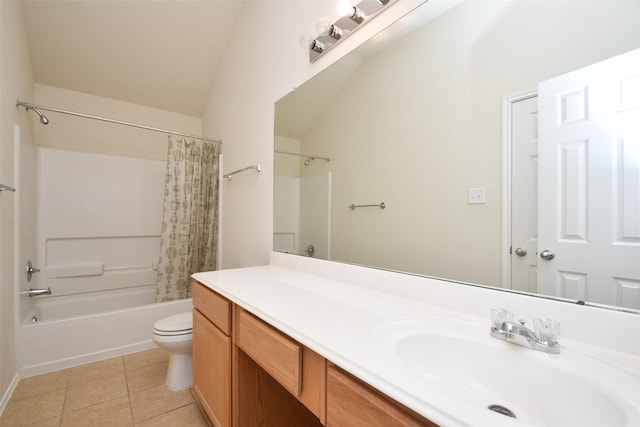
(524, 195)
(589, 183)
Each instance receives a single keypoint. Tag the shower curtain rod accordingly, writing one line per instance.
(310, 156)
(118, 122)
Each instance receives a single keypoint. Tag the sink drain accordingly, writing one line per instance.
(502, 410)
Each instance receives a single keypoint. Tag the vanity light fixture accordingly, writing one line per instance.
(335, 32)
(357, 15)
(317, 46)
(352, 18)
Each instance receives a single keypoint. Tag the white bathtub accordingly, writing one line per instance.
(50, 344)
(62, 307)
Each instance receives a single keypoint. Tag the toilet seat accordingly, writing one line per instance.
(178, 324)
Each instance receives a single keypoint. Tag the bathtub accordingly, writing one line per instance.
(65, 335)
(61, 307)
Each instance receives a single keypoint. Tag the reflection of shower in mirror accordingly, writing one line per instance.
(309, 158)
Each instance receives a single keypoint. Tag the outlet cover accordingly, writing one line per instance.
(477, 196)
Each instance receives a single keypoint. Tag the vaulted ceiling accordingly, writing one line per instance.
(159, 53)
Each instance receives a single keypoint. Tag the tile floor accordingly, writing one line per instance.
(122, 391)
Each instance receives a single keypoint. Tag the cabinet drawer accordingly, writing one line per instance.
(351, 403)
(215, 307)
(277, 354)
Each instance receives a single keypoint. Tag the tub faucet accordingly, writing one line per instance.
(37, 292)
(545, 337)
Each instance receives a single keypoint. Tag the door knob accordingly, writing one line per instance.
(547, 255)
(521, 251)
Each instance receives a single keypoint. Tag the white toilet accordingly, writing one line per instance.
(175, 334)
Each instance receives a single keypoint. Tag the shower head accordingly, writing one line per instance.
(43, 119)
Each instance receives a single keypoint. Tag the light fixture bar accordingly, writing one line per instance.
(362, 13)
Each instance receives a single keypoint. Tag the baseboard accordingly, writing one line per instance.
(56, 365)
(9, 392)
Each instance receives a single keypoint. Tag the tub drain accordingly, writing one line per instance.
(502, 410)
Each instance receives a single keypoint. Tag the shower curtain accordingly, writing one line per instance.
(189, 223)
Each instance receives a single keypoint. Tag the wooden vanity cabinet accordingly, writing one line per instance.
(247, 373)
(212, 348)
(300, 372)
(352, 403)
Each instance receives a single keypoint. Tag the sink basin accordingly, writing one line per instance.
(462, 362)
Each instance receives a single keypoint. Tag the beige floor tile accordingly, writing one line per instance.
(147, 377)
(145, 358)
(49, 422)
(96, 371)
(188, 415)
(115, 413)
(155, 401)
(40, 384)
(31, 410)
(95, 392)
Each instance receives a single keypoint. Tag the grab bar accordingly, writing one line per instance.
(379, 205)
(229, 176)
(37, 292)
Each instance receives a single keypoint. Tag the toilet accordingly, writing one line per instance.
(175, 333)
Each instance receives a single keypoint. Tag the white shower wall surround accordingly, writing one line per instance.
(97, 238)
(99, 219)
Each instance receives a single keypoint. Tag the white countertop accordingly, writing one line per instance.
(343, 322)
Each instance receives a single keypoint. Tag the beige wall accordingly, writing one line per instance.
(16, 81)
(75, 133)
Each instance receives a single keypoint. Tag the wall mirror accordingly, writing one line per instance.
(448, 123)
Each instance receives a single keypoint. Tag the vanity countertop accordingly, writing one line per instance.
(345, 323)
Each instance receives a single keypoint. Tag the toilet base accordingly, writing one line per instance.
(180, 372)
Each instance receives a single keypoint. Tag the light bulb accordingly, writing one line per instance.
(323, 26)
(306, 41)
(344, 7)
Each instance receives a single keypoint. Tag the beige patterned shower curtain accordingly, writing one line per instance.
(188, 240)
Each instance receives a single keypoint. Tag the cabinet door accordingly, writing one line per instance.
(212, 370)
(351, 403)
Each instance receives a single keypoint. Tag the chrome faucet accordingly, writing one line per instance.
(545, 337)
(37, 292)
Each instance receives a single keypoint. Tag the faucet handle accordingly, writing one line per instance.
(546, 329)
(499, 316)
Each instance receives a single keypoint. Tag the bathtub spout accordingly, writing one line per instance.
(37, 292)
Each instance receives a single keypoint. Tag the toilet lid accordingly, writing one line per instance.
(182, 322)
